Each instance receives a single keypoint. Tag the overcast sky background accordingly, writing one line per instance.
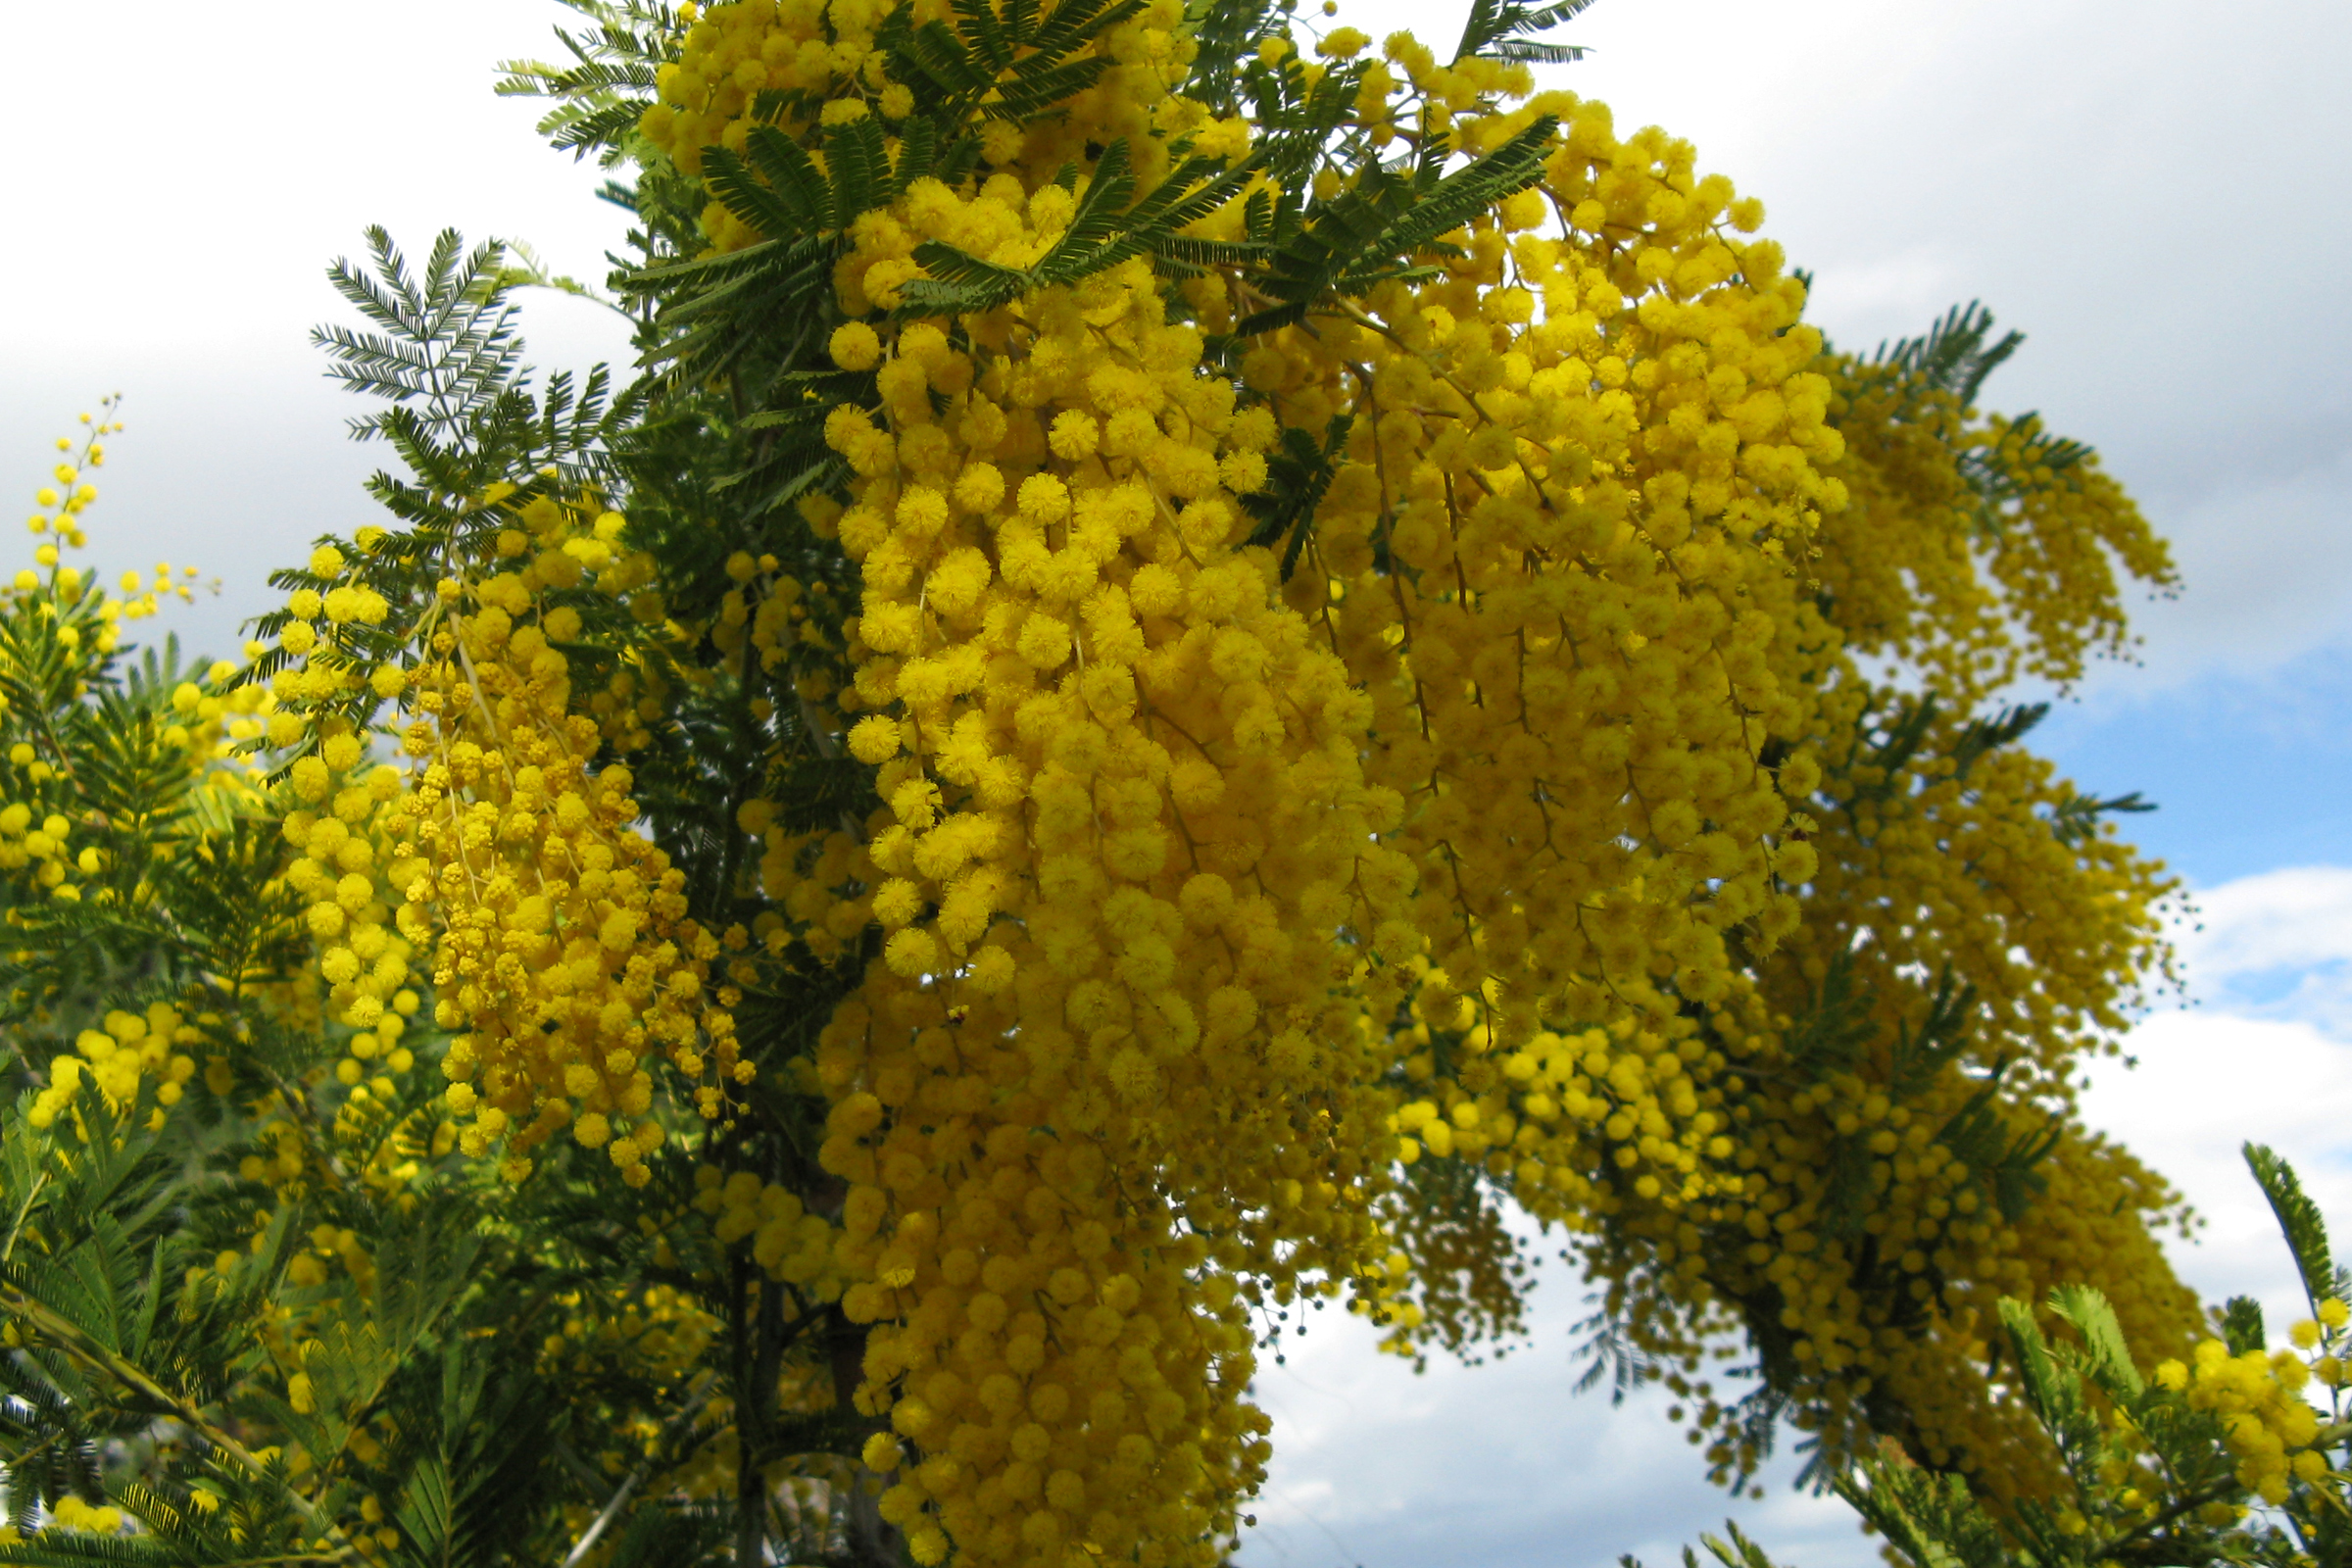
(2154, 192)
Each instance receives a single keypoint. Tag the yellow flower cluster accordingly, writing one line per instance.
(1578, 641)
(50, 845)
(1126, 822)
(736, 52)
(62, 504)
(1952, 862)
(72, 493)
(1577, 557)
(661, 1333)
(1833, 1221)
(2267, 1422)
(1551, 1115)
(370, 1145)
(343, 833)
(1582, 474)
(1871, 1256)
(554, 931)
(71, 1513)
(1853, 1228)
(336, 1243)
(1943, 565)
(131, 1046)
(365, 964)
(788, 1241)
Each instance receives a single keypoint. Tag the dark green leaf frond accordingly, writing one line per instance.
(1505, 29)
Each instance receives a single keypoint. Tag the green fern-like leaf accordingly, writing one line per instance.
(446, 339)
(1505, 29)
(2299, 1220)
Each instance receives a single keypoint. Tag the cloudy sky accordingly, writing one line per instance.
(2153, 191)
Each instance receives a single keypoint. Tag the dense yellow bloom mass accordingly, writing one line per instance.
(1094, 718)
(1974, 579)
(500, 861)
(1558, 735)
(115, 1058)
(794, 1246)
(1890, 1198)
(1606, 639)
(1126, 821)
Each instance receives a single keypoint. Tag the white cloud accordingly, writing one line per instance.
(1497, 1465)
(2267, 560)
(2267, 1055)
(1908, 289)
(2277, 947)
(2297, 916)
(2205, 1084)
